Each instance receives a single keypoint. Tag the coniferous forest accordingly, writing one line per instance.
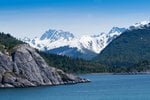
(124, 60)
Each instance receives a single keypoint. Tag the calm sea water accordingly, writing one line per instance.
(102, 87)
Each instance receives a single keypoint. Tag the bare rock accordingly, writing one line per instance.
(25, 68)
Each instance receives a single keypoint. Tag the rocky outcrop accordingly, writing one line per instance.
(24, 67)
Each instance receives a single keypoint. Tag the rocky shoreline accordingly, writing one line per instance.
(44, 85)
(24, 67)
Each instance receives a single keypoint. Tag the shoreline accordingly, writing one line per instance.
(51, 85)
(81, 81)
(126, 73)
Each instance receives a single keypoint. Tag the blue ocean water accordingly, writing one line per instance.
(102, 87)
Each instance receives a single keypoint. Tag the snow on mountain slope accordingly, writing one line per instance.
(94, 43)
(97, 43)
(54, 35)
(65, 43)
(52, 40)
(139, 25)
(115, 31)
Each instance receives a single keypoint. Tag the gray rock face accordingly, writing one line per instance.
(25, 68)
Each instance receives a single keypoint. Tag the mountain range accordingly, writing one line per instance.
(127, 51)
(123, 51)
(130, 48)
(65, 43)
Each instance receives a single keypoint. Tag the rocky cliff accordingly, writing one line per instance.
(24, 67)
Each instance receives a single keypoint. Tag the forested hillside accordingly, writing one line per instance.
(7, 41)
(131, 49)
(116, 59)
(73, 65)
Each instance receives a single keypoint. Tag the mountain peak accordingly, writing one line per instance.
(54, 35)
(116, 30)
(65, 43)
(140, 25)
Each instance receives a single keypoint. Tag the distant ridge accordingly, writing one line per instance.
(65, 43)
(130, 48)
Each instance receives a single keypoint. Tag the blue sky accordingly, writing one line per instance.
(33, 17)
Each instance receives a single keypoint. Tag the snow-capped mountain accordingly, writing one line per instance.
(113, 33)
(54, 35)
(139, 25)
(65, 43)
(52, 39)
